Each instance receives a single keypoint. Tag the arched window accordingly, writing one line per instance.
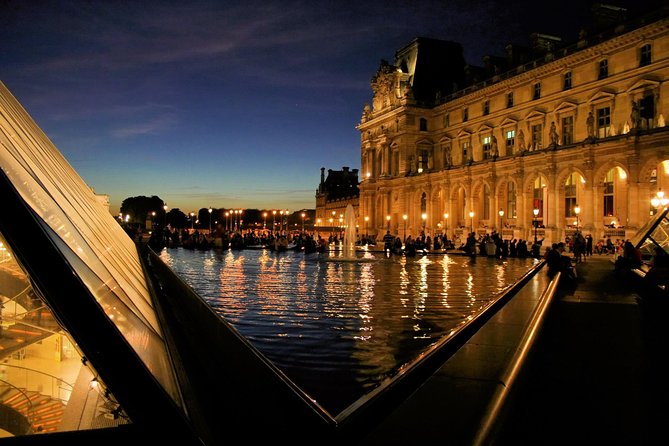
(570, 197)
(511, 200)
(538, 196)
(486, 202)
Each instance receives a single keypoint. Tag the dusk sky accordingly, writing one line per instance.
(229, 104)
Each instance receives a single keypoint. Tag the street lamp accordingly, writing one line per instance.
(535, 222)
(471, 215)
(501, 221)
(446, 224)
(303, 215)
(273, 221)
(404, 217)
(659, 200)
(226, 219)
(366, 224)
(210, 210)
(577, 211)
(153, 218)
(165, 217)
(192, 220)
(264, 220)
(388, 219)
(423, 216)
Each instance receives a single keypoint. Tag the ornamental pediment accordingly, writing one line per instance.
(602, 96)
(565, 106)
(464, 134)
(535, 114)
(643, 84)
(508, 122)
(484, 128)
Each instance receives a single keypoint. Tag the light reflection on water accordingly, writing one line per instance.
(338, 328)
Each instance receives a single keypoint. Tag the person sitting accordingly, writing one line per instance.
(630, 259)
(656, 279)
(558, 262)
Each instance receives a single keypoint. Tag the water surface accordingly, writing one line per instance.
(339, 327)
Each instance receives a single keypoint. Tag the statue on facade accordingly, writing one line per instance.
(494, 149)
(448, 160)
(635, 116)
(553, 136)
(590, 125)
(660, 120)
(366, 113)
(521, 141)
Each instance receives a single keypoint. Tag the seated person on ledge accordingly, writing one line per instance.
(556, 261)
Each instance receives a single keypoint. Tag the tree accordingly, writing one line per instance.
(140, 207)
(177, 219)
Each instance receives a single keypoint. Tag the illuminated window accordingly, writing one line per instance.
(486, 202)
(568, 130)
(538, 196)
(486, 147)
(537, 137)
(603, 122)
(511, 200)
(570, 195)
(608, 193)
(510, 142)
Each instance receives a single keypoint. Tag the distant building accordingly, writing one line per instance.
(333, 195)
(547, 139)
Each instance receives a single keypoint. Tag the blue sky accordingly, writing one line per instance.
(225, 104)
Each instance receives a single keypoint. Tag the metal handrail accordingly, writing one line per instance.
(513, 369)
(66, 387)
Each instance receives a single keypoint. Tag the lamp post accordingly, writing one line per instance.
(153, 219)
(331, 225)
(404, 217)
(659, 200)
(501, 222)
(535, 222)
(577, 211)
(471, 216)
(388, 219)
(264, 220)
(192, 220)
(210, 211)
(446, 224)
(165, 215)
(366, 224)
(303, 215)
(273, 221)
(423, 217)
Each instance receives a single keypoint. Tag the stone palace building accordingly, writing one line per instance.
(548, 139)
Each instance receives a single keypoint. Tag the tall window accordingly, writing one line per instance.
(447, 120)
(486, 202)
(536, 91)
(465, 114)
(423, 124)
(537, 140)
(510, 141)
(570, 195)
(608, 193)
(603, 69)
(603, 122)
(486, 107)
(566, 85)
(423, 160)
(538, 196)
(423, 203)
(511, 200)
(509, 99)
(567, 130)
(486, 147)
(645, 55)
(465, 152)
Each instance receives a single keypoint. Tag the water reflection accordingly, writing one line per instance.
(339, 327)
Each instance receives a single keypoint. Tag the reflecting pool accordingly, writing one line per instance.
(339, 326)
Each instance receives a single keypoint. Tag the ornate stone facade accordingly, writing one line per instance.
(333, 195)
(578, 135)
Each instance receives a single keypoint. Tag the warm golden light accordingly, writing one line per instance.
(535, 211)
